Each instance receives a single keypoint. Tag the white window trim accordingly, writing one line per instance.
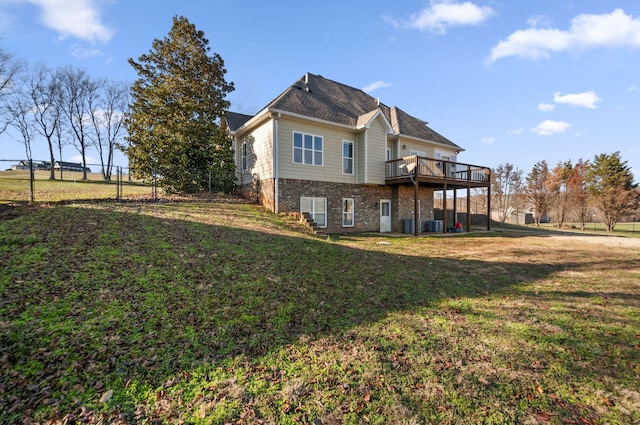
(313, 150)
(353, 212)
(313, 212)
(353, 154)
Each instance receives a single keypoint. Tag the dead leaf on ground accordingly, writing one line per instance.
(106, 396)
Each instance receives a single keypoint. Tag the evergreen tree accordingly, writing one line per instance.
(177, 102)
(610, 185)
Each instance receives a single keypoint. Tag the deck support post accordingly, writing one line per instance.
(415, 207)
(468, 208)
(444, 208)
(455, 207)
(489, 202)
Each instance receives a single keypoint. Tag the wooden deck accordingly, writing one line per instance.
(439, 175)
(436, 173)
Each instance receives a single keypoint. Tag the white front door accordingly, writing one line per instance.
(385, 215)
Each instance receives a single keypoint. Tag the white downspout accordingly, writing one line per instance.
(274, 163)
(366, 149)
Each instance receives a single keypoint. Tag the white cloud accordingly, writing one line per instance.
(375, 86)
(88, 159)
(633, 87)
(615, 29)
(539, 21)
(546, 107)
(442, 14)
(549, 127)
(586, 100)
(488, 140)
(82, 53)
(73, 18)
(515, 132)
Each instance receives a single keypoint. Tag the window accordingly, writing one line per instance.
(243, 157)
(317, 207)
(347, 157)
(307, 149)
(347, 212)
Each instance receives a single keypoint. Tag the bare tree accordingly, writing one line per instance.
(536, 189)
(9, 72)
(20, 107)
(58, 138)
(506, 184)
(43, 86)
(107, 113)
(578, 194)
(77, 89)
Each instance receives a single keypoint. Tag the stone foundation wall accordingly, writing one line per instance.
(262, 191)
(366, 202)
(405, 205)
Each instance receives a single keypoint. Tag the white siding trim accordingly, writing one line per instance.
(274, 140)
(366, 161)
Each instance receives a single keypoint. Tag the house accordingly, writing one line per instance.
(69, 166)
(350, 162)
(37, 165)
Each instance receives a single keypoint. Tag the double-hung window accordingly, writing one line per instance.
(317, 207)
(347, 212)
(307, 149)
(347, 157)
(243, 157)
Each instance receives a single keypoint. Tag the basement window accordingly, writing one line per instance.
(317, 207)
(348, 212)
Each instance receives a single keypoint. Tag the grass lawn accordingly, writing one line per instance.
(621, 228)
(15, 187)
(214, 313)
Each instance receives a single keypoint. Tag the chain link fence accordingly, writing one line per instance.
(38, 181)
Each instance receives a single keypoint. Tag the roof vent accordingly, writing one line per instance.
(307, 89)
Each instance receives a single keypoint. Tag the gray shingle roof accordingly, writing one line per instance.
(317, 97)
(236, 120)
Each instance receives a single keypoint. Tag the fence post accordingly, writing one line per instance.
(32, 179)
(118, 182)
(154, 187)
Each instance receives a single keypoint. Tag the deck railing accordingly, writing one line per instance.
(420, 166)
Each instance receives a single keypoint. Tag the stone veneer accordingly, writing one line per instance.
(366, 199)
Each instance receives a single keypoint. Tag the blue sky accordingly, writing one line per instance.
(509, 81)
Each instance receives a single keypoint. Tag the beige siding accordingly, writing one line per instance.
(415, 145)
(259, 142)
(331, 168)
(376, 146)
(360, 157)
